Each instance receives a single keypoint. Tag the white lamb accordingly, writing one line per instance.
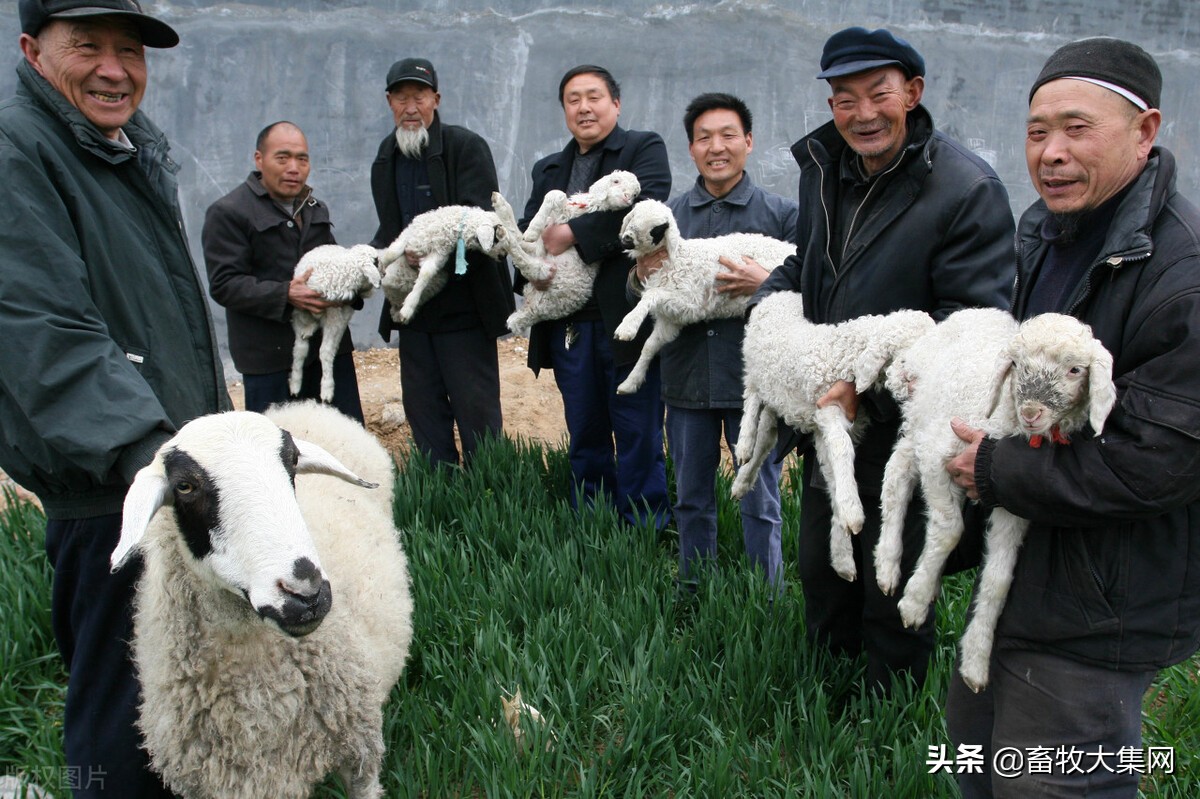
(339, 274)
(1044, 379)
(433, 237)
(790, 363)
(573, 279)
(684, 289)
(271, 623)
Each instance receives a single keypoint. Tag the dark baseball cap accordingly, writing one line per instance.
(36, 13)
(414, 69)
(855, 50)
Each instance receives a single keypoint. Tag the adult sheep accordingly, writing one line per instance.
(271, 622)
(339, 274)
(683, 290)
(1044, 379)
(573, 278)
(790, 363)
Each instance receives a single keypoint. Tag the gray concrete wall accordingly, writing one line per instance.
(321, 63)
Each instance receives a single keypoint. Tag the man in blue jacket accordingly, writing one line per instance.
(893, 215)
(616, 446)
(1106, 589)
(116, 348)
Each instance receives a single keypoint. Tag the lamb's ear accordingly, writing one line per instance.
(659, 232)
(314, 460)
(1102, 394)
(148, 493)
(1004, 367)
(869, 364)
(487, 236)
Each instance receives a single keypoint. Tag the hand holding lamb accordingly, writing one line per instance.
(790, 363)
(684, 289)
(340, 275)
(433, 237)
(572, 281)
(1044, 379)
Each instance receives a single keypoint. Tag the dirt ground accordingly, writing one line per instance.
(532, 407)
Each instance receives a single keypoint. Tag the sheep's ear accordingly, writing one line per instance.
(659, 232)
(1102, 394)
(869, 364)
(1004, 367)
(487, 236)
(148, 493)
(314, 460)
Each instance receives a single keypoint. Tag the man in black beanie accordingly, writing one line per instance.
(1106, 590)
(894, 214)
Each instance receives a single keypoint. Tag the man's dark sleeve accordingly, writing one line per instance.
(229, 261)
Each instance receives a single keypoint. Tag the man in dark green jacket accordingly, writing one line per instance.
(111, 347)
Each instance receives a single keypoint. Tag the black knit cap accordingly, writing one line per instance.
(1114, 61)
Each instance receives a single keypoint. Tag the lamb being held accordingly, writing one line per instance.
(683, 290)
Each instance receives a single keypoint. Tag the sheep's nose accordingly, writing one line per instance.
(627, 242)
(1030, 415)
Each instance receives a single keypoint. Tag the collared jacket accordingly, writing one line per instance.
(251, 247)
(109, 343)
(702, 368)
(597, 234)
(1109, 573)
(937, 236)
(461, 172)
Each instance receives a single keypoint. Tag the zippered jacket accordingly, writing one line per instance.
(109, 346)
(1109, 573)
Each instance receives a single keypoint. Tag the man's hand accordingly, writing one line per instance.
(304, 298)
(962, 467)
(741, 279)
(544, 285)
(650, 263)
(844, 395)
(558, 239)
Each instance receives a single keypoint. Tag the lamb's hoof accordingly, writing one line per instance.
(847, 572)
(975, 676)
(887, 577)
(739, 489)
(404, 316)
(625, 332)
(630, 386)
(912, 613)
(855, 520)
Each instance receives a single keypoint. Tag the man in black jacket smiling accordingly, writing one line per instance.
(893, 215)
(449, 369)
(1106, 589)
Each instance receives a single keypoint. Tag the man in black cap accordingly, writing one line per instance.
(1106, 589)
(894, 215)
(116, 349)
(449, 369)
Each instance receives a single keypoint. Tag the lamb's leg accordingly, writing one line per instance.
(303, 325)
(429, 266)
(663, 333)
(1005, 534)
(632, 323)
(762, 435)
(333, 326)
(748, 429)
(831, 456)
(553, 206)
(943, 501)
(527, 258)
(899, 479)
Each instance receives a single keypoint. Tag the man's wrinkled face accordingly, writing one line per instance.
(283, 162)
(1084, 143)
(590, 110)
(413, 104)
(870, 110)
(98, 64)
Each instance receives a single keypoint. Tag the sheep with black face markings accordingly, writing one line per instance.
(273, 616)
(1044, 379)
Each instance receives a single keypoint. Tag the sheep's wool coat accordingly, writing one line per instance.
(233, 708)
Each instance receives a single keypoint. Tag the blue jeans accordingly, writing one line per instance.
(632, 474)
(92, 613)
(1035, 699)
(271, 388)
(694, 440)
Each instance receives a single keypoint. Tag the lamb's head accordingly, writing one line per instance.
(485, 232)
(229, 480)
(1059, 375)
(366, 258)
(649, 226)
(613, 191)
(889, 337)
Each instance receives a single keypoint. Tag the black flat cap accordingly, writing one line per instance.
(1122, 65)
(854, 50)
(36, 13)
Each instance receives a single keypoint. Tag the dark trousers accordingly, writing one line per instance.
(93, 623)
(448, 379)
(616, 448)
(1037, 700)
(853, 617)
(271, 388)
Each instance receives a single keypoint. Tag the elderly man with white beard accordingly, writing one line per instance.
(449, 369)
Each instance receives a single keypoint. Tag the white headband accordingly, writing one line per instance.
(1112, 87)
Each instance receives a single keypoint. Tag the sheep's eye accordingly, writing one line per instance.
(184, 487)
(1075, 371)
